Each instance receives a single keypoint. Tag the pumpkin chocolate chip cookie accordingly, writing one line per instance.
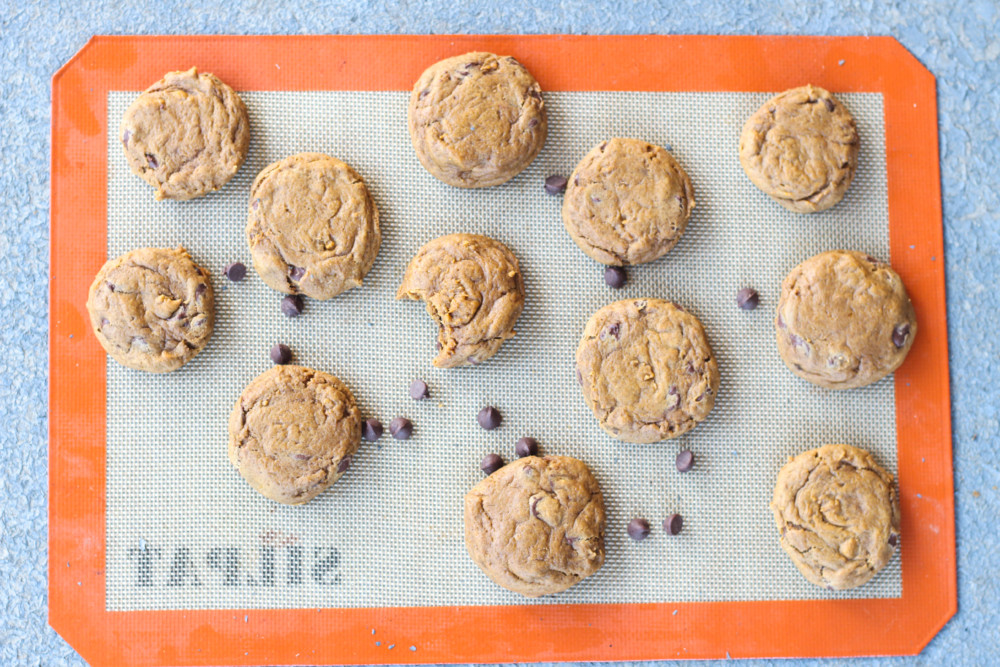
(844, 320)
(838, 515)
(152, 309)
(473, 289)
(477, 119)
(312, 226)
(801, 149)
(536, 526)
(293, 432)
(646, 370)
(627, 202)
(186, 135)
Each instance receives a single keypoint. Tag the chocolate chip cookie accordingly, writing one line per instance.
(473, 289)
(293, 432)
(536, 526)
(152, 309)
(801, 148)
(312, 226)
(838, 515)
(627, 202)
(186, 135)
(844, 320)
(477, 119)
(646, 370)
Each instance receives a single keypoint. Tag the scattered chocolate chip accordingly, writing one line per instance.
(747, 298)
(685, 460)
(125, 137)
(296, 272)
(526, 447)
(534, 92)
(579, 377)
(344, 464)
(555, 184)
(281, 354)
(423, 94)
(615, 277)
(491, 463)
(151, 161)
(236, 271)
(489, 418)
(256, 203)
(419, 390)
(292, 305)
(672, 524)
(401, 428)
(892, 540)
(829, 104)
(615, 330)
(111, 286)
(900, 334)
(371, 430)
(303, 457)
(533, 123)
(638, 529)
(534, 506)
(200, 289)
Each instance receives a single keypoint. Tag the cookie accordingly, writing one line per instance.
(536, 526)
(844, 320)
(152, 309)
(646, 370)
(477, 119)
(473, 289)
(293, 433)
(801, 149)
(312, 226)
(838, 515)
(627, 202)
(186, 135)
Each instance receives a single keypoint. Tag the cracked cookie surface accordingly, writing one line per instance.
(477, 119)
(844, 320)
(293, 433)
(152, 309)
(473, 288)
(186, 135)
(838, 515)
(646, 370)
(312, 226)
(536, 526)
(627, 202)
(801, 149)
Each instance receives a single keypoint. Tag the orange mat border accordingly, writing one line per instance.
(495, 634)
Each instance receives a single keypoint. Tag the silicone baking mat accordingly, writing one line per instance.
(180, 533)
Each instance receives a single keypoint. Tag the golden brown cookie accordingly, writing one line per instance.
(646, 370)
(838, 515)
(536, 526)
(312, 226)
(477, 119)
(186, 135)
(627, 202)
(844, 320)
(152, 309)
(801, 148)
(293, 432)
(473, 289)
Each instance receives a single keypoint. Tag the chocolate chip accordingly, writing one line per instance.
(303, 457)
(526, 447)
(151, 161)
(685, 460)
(555, 184)
(200, 289)
(423, 94)
(419, 390)
(615, 277)
(281, 354)
(532, 123)
(489, 418)
(747, 298)
(344, 464)
(236, 271)
(534, 506)
(255, 204)
(296, 272)
(292, 305)
(533, 92)
(615, 330)
(892, 540)
(900, 334)
(125, 137)
(638, 529)
(829, 104)
(401, 428)
(111, 286)
(491, 463)
(672, 524)
(371, 430)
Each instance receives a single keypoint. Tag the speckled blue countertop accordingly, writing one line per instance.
(957, 41)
